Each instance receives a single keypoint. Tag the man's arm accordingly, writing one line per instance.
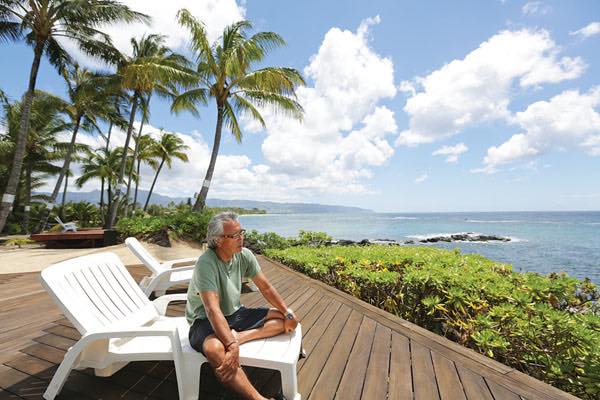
(274, 298)
(231, 362)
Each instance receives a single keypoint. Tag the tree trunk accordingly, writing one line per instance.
(115, 203)
(135, 153)
(63, 172)
(137, 183)
(17, 164)
(153, 182)
(110, 126)
(201, 200)
(26, 217)
(64, 197)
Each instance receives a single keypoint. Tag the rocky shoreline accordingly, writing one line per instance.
(455, 237)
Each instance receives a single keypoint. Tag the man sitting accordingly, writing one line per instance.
(219, 323)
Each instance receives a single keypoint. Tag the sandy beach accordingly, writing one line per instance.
(32, 259)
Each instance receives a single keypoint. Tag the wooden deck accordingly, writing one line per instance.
(355, 351)
(90, 237)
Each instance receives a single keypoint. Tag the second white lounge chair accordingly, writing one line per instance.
(164, 275)
(119, 324)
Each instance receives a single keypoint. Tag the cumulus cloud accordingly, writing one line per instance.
(421, 178)
(344, 131)
(476, 89)
(452, 152)
(569, 120)
(591, 29)
(536, 8)
(216, 15)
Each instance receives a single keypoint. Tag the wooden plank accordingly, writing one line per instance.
(329, 378)
(400, 386)
(376, 378)
(312, 338)
(474, 385)
(500, 392)
(425, 385)
(317, 358)
(351, 384)
(447, 377)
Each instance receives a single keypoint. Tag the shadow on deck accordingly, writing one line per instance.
(355, 351)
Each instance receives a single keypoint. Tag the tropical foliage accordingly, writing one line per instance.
(545, 326)
(225, 72)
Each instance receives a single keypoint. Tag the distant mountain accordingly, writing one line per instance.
(270, 206)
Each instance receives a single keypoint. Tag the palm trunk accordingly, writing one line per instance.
(137, 184)
(201, 200)
(17, 164)
(64, 197)
(135, 153)
(110, 126)
(28, 170)
(115, 203)
(63, 172)
(153, 182)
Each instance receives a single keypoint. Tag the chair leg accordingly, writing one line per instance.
(289, 382)
(190, 376)
(61, 374)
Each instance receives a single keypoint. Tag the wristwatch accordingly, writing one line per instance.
(289, 314)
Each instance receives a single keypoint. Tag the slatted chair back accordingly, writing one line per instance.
(140, 251)
(96, 292)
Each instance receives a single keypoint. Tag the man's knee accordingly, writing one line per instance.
(214, 350)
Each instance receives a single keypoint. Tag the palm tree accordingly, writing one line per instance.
(169, 147)
(101, 164)
(146, 154)
(42, 148)
(225, 72)
(41, 22)
(90, 97)
(152, 68)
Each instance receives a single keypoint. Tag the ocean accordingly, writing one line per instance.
(542, 242)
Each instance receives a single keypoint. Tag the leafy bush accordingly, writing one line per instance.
(185, 225)
(545, 326)
(259, 242)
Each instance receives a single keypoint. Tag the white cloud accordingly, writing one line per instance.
(451, 151)
(421, 178)
(591, 29)
(536, 8)
(569, 120)
(344, 131)
(215, 14)
(476, 89)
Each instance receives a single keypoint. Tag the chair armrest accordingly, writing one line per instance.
(185, 261)
(161, 303)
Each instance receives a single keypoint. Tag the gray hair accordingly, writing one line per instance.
(215, 227)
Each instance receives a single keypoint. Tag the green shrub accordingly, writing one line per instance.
(545, 326)
(185, 225)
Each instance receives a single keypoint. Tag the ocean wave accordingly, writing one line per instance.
(512, 239)
(403, 218)
(501, 221)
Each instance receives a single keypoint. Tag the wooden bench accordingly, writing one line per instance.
(94, 237)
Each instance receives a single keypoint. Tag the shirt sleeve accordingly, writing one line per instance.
(207, 277)
(252, 266)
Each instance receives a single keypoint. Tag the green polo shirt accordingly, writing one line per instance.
(213, 275)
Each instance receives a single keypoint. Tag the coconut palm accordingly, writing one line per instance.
(168, 147)
(101, 164)
(41, 23)
(225, 73)
(153, 68)
(146, 154)
(89, 99)
(43, 149)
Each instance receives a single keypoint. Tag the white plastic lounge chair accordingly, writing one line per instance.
(163, 274)
(119, 324)
(69, 226)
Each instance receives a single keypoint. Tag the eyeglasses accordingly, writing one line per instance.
(235, 235)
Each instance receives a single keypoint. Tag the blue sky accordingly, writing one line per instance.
(410, 106)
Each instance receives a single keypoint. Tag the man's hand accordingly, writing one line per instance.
(228, 368)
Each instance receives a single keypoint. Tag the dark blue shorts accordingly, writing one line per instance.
(242, 320)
